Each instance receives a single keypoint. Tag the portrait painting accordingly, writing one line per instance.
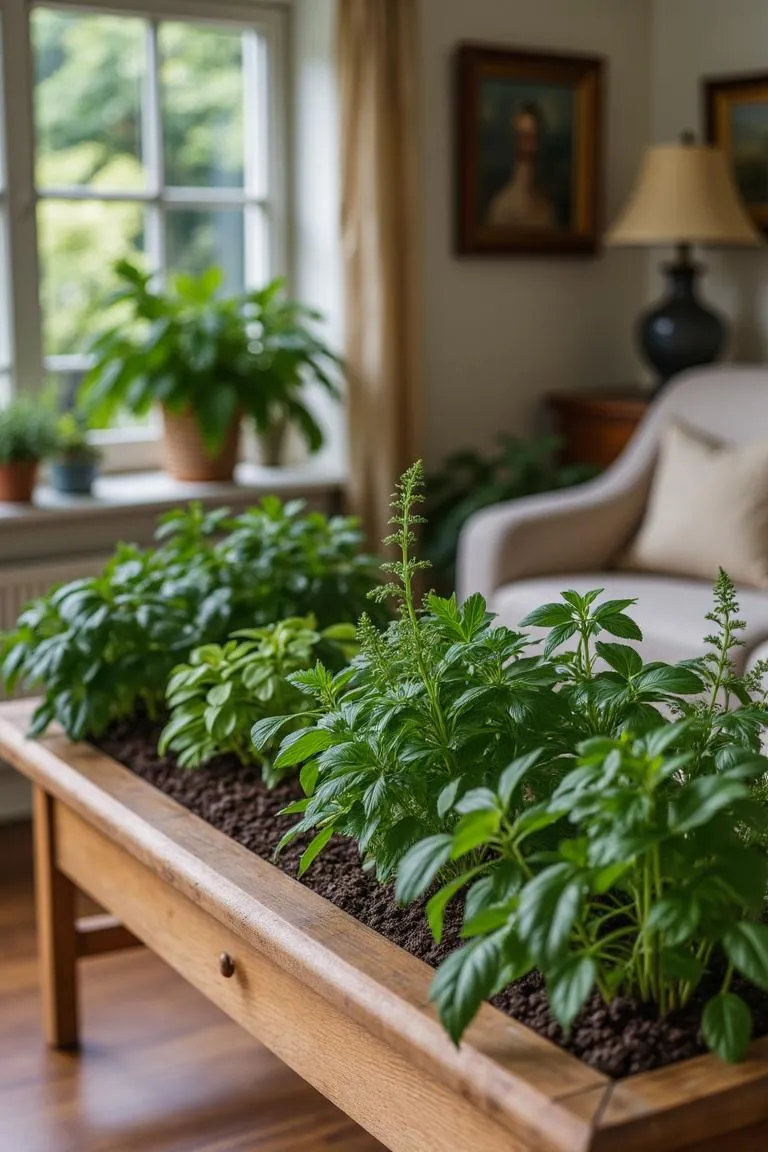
(737, 121)
(528, 152)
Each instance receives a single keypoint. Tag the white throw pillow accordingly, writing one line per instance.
(708, 509)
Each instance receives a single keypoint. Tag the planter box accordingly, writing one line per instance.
(342, 1006)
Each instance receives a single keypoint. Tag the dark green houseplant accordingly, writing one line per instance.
(207, 361)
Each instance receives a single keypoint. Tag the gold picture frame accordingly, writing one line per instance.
(529, 152)
(736, 117)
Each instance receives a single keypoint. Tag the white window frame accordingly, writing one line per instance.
(266, 190)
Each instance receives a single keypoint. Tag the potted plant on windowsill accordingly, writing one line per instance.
(74, 465)
(208, 361)
(27, 436)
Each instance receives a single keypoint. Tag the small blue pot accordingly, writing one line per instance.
(74, 477)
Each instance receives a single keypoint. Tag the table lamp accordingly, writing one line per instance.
(685, 195)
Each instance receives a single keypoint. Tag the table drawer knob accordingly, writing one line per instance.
(226, 965)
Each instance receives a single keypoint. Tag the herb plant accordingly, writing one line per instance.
(601, 818)
(190, 348)
(439, 703)
(103, 648)
(215, 699)
(27, 431)
(647, 883)
(72, 438)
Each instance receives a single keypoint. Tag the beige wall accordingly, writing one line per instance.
(498, 333)
(692, 39)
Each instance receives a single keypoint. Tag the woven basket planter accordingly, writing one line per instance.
(184, 452)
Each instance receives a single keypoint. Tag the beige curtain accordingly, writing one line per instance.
(377, 82)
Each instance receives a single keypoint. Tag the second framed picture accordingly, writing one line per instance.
(736, 109)
(529, 152)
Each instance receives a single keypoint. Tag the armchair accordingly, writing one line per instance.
(523, 553)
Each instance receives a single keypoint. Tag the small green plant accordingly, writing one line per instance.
(646, 883)
(27, 431)
(469, 481)
(215, 700)
(104, 647)
(190, 348)
(72, 438)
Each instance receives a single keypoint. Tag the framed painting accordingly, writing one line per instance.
(736, 110)
(529, 152)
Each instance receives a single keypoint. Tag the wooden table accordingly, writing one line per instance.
(338, 1003)
(596, 426)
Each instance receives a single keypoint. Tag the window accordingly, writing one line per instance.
(157, 136)
(5, 315)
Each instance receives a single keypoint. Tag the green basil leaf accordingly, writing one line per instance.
(746, 946)
(513, 775)
(568, 988)
(477, 800)
(441, 899)
(299, 746)
(620, 625)
(464, 981)
(220, 693)
(314, 848)
(726, 1024)
(548, 616)
(420, 865)
(623, 659)
(668, 678)
(474, 830)
(702, 799)
(676, 916)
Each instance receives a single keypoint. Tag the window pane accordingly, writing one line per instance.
(89, 72)
(5, 388)
(196, 239)
(79, 242)
(202, 96)
(5, 296)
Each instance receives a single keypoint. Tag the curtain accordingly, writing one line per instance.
(377, 52)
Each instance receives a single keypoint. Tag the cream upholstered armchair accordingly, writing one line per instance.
(523, 553)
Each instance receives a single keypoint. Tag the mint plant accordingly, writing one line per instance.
(647, 885)
(216, 698)
(431, 708)
(103, 648)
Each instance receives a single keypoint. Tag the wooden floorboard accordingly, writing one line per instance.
(161, 1069)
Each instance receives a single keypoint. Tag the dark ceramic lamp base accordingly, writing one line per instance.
(680, 332)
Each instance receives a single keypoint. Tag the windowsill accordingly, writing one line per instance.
(126, 507)
(157, 491)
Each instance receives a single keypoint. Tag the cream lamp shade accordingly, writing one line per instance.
(685, 194)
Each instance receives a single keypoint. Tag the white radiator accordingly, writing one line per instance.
(18, 585)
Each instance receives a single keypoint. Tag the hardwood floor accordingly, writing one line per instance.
(160, 1069)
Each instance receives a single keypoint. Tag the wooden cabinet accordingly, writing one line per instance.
(596, 426)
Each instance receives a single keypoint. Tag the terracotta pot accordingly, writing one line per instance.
(184, 453)
(272, 444)
(17, 481)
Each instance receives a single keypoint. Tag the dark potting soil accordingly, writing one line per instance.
(619, 1039)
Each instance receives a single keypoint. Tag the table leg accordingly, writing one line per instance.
(56, 933)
